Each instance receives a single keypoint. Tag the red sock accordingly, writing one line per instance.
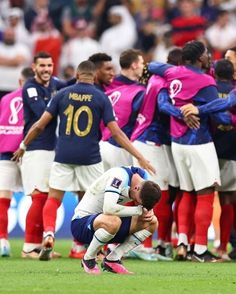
(148, 242)
(226, 223)
(234, 222)
(203, 217)
(34, 219)
(185, 213)
(163, 212)
(176, 207)
(4, 205)
(50, 214)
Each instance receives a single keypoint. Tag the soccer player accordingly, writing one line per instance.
(81, 108)
(38, 158)
(126, 95)
(193, 150)
(224, 138)
(101, 217)
(103, 77)
(11, 134)
(104, 70)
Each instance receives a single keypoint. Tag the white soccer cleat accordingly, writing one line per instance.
(5, 248)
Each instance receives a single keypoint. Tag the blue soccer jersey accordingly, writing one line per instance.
(81, 108)
(224, 136)
(204, 95)
(35, 99)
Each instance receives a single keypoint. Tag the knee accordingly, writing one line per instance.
(111, 224)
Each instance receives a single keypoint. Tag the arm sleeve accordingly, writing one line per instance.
(30, 98)
(165, 105)
(158, 68)
(218, 104)
(108, 113)
(111, 206)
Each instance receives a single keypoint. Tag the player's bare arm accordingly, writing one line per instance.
(33, 133)
(123, 140)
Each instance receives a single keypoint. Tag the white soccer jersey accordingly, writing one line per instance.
(113, 188)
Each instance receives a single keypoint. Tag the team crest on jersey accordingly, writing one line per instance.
(116, 183)
(32, 92)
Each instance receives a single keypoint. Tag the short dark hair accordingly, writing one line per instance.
(86, 67)
(232, 49)
(175, 56)
(128, 57)
(224, 69)
(41, 54)
(192, 51)
(99, 58)
(27, 73)
(150, 194)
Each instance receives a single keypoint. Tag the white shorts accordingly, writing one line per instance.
(70, 177)
(10, 176)
(157, 157)
(227, 175)
(35, 168)
(197, 166)
(173, 176)
(113, 156)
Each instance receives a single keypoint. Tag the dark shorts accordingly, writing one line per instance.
(82, 229)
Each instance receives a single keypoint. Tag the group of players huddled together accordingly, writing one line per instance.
(142, 149)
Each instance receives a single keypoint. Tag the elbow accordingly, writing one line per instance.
(107, 209)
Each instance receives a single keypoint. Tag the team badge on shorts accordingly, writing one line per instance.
(116, 183)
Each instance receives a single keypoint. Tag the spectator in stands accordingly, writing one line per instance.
(111, 41)
(189, 25)
(13, 56)
(221, 34)
(80, 47)
(76, 10)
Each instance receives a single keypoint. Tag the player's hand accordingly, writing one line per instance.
(147, 215)
(145, 164)
(189, 109)
(192, 121)
(18, 155)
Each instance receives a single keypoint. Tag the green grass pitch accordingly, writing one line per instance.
(66, 276)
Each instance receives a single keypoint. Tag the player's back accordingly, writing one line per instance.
(80, 107)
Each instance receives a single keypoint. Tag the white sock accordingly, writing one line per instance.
(78, 248)
(182, 239)
(49, 233)
(28, 247)
(199, 249)
(100, 237)
(130, 243)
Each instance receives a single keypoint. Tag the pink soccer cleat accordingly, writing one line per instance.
(115, 267)
(90, 266)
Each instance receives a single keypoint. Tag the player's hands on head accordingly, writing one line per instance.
(18, 155)
(147, 215)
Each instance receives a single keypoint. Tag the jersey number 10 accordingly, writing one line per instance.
(73, 118)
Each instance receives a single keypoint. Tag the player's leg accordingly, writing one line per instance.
(131, 234)
(84, 177)
(10, 181)
(95, 230)
(35, 169)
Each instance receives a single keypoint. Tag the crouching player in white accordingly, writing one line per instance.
(100, 217)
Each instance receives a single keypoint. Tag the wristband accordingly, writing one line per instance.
(23, 146)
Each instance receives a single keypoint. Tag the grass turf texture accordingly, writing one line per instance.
(66, 276)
